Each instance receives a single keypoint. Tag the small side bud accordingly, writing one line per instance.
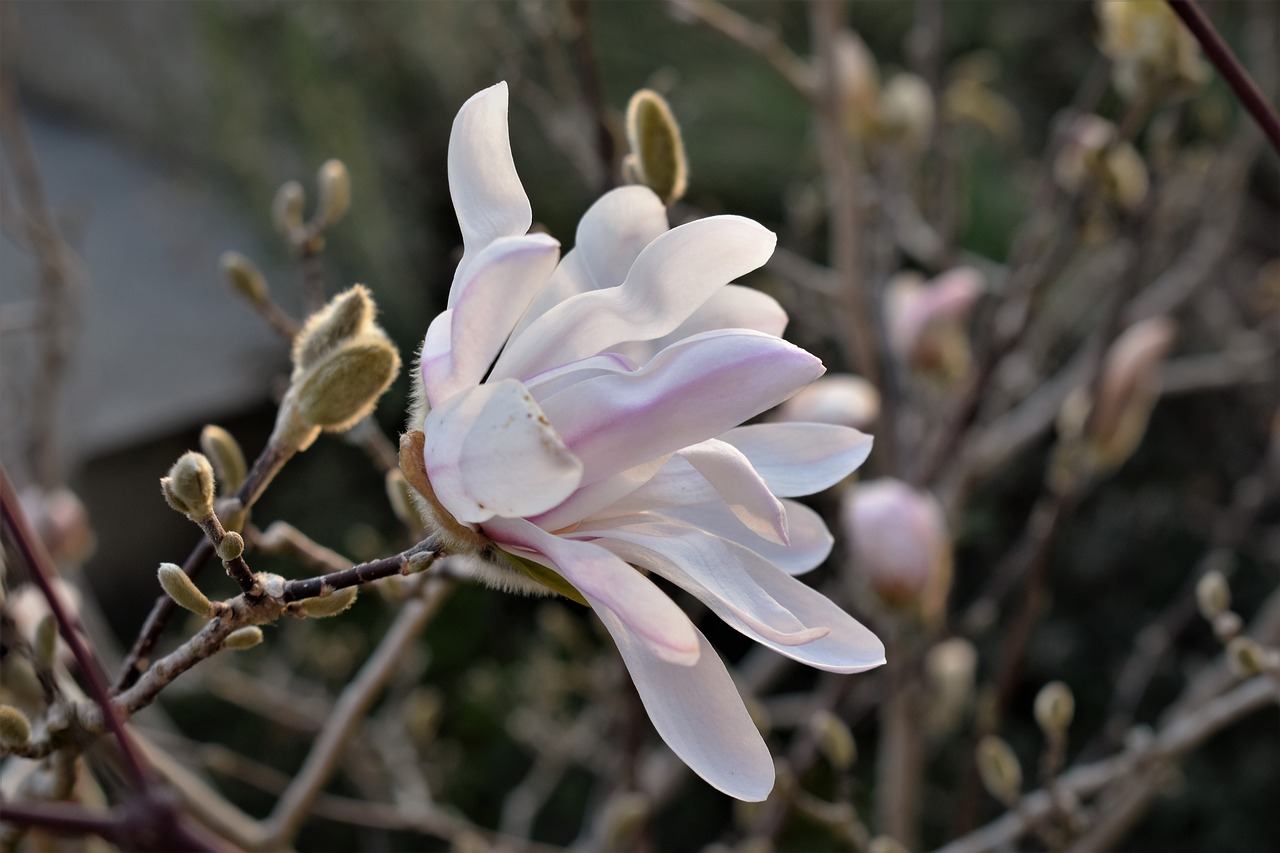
(15, 728)
(623, 815)
(189, 486)
(324, 606)
(999, 768)
(224, 453)
(345, 386)
(45, 646)
(834, 739)
(950, 667)
(243, 638)
(1054, 708)
(245, 277)
(1246, 658)
(231, 546)
(347, 315)
(885, 844)
(183, 590)
(334, 183)
(286, 209)
(654, 137)
(1213, 595)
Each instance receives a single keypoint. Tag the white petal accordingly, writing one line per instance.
(691, 391)
(489, 300)
(487, 195)
(731, 307)
(672, 277)
(746, 590)
(698, 712)
(589, 499)
(808, 539)
(610, 585)
(801, 458)
(741, 488)
(490, 451)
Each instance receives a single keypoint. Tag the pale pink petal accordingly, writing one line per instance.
(591, 498)
(808, 539)
(691, 391)
(731, 307)
(487, 194)
(698, 712)
(491, 451)
(490, 299)
(558, 378)
(610, 585)
(801, 458)
(672, 277)
(741, 488)
(745, 590)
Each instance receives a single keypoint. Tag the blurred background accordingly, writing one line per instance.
(153, 138)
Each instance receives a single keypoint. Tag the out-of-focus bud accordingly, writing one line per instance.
(950, 667)
(226, 457)
(900, 542)
(45, 645)
(403, 504)
(422, 711)
(244, 277)
(999, 768)
(834, 739)
(657, 150)
(1054, 708)
(907, 111)
(1153, 55)
(61, 521)
(331, 604)
(178, 586)
(928, 322)
(1213, 595)
(334, 185)
(15, 728)
(243, 638)
(34, 621)
(1093, 152)
(1128, 389)
(968, 98)
(1246, 658)
(286, 210)
(858, 84)
(1226, 626)
(189, 486)
(621, 819)
(886, 844)
(837, 398)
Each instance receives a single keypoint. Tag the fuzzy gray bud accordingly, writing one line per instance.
(324, 606)
(657, 156)
(15, 728)
(347, 315)
(243, 638)
(226, 457)
(231, 546)
(346, 385)
(1054, 708)
(189, 486)
(45, 645)
(999, 768)
(834, 739)
(245, 277)
(1213, 595)
(178, 586)
(334, 183)
(286, 209)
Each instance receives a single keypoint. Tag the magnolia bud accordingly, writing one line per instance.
(1128, 389)
(1246, 658)
(999, 768)
(231, 546)
(330, 604)
(189, 486)
(899, 540)
(907, 110)
(245, 277)
(623, 815)
(45, 646)
(178, 586)
(243, 638)
(1092, 154)
(347, 315)
(839, 398)
(834, 739)
(1227, 625)
(656, 145)
(15, 728)
(286, 210)
(886, 844)
(1213, 595)
(334, 183)
(928, 321)
(226, 457)
(857, 83)
(60, 519)
(1054, 708)
(950, 667)
(1152, 53)
(346, 385)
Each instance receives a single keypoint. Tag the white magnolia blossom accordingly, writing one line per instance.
(583, 414)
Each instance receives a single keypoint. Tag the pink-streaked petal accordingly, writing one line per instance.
(487, 194)
(610, 585)
(731, 307)
(491, 451)
(489, 300)
(672, 277)
(558, 378)
(801, 458)
(689, 392)
(743, 490)
(591, 498)
(808, 539)
(736, 582)
(698, 712)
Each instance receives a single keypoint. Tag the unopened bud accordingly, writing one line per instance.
(245, 277)
(178, 586)
(45, 645)
(1213, 595)
(834, 739)
(654, 137)
(189, 486)
(422, 711)
(400, 496)
(1246, 658)
(1094, 155)
(345, 386)
(950, 667)
(623, 815)
(857, 80)
(1128, 389)
(928, 321)
(226, 457)
(1227, 625)
(331, 604)
(231, 546)
(885, 844)
(999, 768)
(15, 728)
(334, 183)
(243, 638)
(907, 110)
(841, 398)
(286, 210)
(348, 315)
(1153, 55)
(1054, 708)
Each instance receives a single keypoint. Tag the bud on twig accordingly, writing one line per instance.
(45, 646)
(226, 457)
(231, 546)
(286, 209)
(1246, 658)
(347, 315)
(15, 728)
(657, 150)
(178, 586)
(999, 768)
(189, 486)
(245, 277)
(1213, 595)
(885, 844)
(623, 815)
(243, 638)
(334, 183)
(1227, 625)
(834, 739)
(324, 606)
(1054, 708)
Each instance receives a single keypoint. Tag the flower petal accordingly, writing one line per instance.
(487, 194)
(698, 712)
(491, 451)
(611, 586)
(589, 499)
(808, 539)
(731, 307)
(741, 488)
(672, 277)
(801, 458)
(490, 299)
(691, 391)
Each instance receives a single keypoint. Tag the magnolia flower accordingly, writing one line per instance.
(578, 427)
